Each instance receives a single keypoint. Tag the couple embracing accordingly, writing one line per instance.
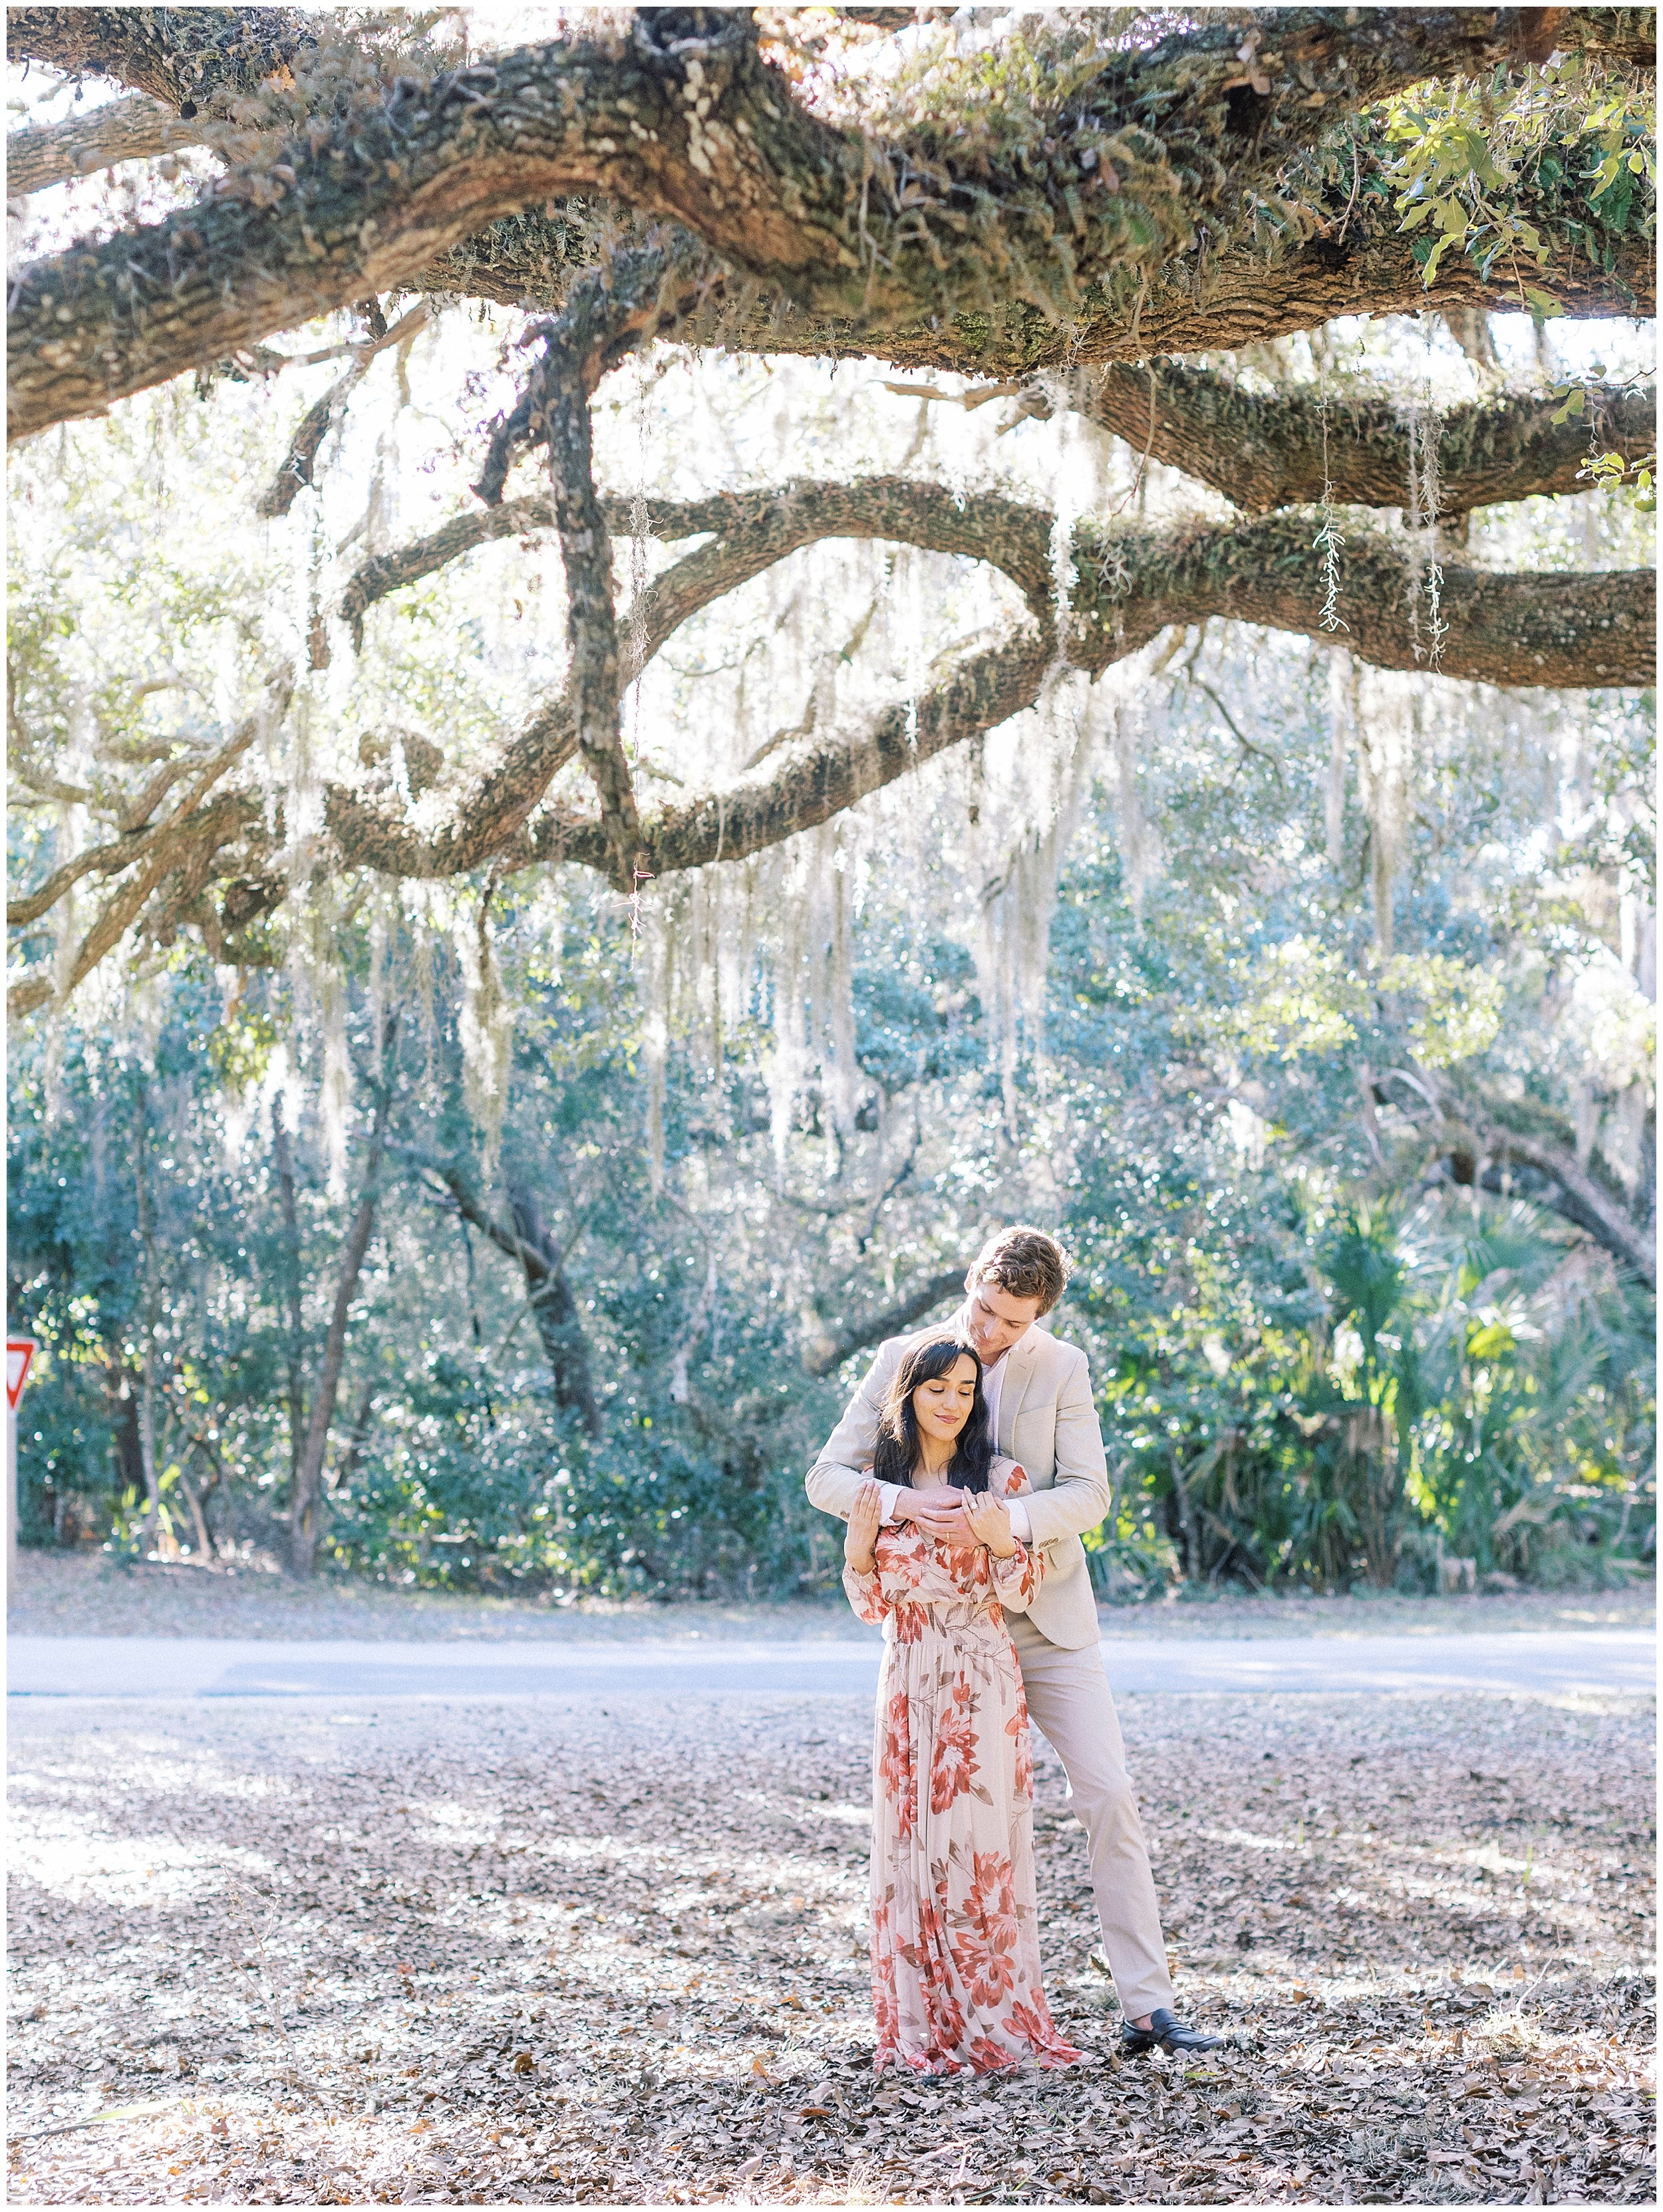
(967, 1466)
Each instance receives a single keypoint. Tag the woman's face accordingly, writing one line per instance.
(941, 1407)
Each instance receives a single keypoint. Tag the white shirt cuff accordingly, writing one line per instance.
(1020, 1526)
(892, 1500)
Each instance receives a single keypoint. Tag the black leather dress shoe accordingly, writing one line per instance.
(1167, 2030)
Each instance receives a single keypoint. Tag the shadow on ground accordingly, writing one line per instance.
(615, 1955)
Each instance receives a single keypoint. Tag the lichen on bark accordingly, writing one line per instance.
(1067, 216)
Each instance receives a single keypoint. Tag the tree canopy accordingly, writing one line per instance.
(1058, 204)
(749, 636)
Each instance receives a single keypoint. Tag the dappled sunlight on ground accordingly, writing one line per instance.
(538, 1954)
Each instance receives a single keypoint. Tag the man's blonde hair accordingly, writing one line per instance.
(1024, 1263)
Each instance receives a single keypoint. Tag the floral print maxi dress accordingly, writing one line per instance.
(955, 1942)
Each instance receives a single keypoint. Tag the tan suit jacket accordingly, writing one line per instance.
(1048, 1423)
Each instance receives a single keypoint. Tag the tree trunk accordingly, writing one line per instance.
(554, 1310)
(357, 1437)
(1185, 1519)
(295, 1344)
(198, 1519)
(129, 1453)
(826, 1351)
(305, 1504)
(147, 1454)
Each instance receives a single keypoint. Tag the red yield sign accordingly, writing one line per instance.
(20, 1351)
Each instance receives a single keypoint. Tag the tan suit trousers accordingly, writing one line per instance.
(1069, 1703)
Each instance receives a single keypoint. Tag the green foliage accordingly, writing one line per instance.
(1465, 147)
(1318, 1357)
(1306, 1372)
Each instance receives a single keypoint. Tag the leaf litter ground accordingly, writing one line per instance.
(541, 1953)
(72, 1594)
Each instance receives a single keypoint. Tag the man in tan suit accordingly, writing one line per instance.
(1041, 1413)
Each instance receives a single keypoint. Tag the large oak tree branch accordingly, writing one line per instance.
(1567, 630)
(132, 130)
(1560, 630)
(191, 58)
(548, 1289)
(686, 122)
(828, 777)
(1129, 583)
(1571, 630)
(1266, 452)
(749, 533)
(1234, 291)
(1477, 1129)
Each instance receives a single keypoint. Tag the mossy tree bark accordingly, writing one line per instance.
(306, 1501)
(1267, 451)
(133, 129)
(1167, 153)
(1567, 630)
(1225, 184)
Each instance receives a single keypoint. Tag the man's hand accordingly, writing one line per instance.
(989, 1523)
(865, 1519)
(938, 1511)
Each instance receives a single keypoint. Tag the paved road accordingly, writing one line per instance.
(204, 1667)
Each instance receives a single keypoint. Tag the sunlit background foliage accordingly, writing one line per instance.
(1164, 966)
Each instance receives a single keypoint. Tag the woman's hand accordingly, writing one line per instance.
(865, 1518)
(989, 1523)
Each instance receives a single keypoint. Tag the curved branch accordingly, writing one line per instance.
(424, 556)
(1570, 631)
(192, 57)
(1580, 1197)
(751, 530)
(294, 469)
(1502, 629)
(830, 777)
(1475, 1128)
(190, 843)
(297, 464)
(611, 309)
(1266, 452)
(894, 241)
(1130, 583)
(200, 824)
(1574, 631)
(122, 852)
(132, 129)
(824, 1354)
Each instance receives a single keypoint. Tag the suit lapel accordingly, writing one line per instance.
(1018, 1373)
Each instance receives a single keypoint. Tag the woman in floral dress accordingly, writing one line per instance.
(955, 1944)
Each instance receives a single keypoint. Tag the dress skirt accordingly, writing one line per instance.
(955, 1944)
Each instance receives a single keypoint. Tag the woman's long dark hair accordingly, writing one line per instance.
(897, 1426)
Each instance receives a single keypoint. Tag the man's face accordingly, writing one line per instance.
(993, 1320)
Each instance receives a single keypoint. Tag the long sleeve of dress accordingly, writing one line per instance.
(1016, 1580)
(865, 1593)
